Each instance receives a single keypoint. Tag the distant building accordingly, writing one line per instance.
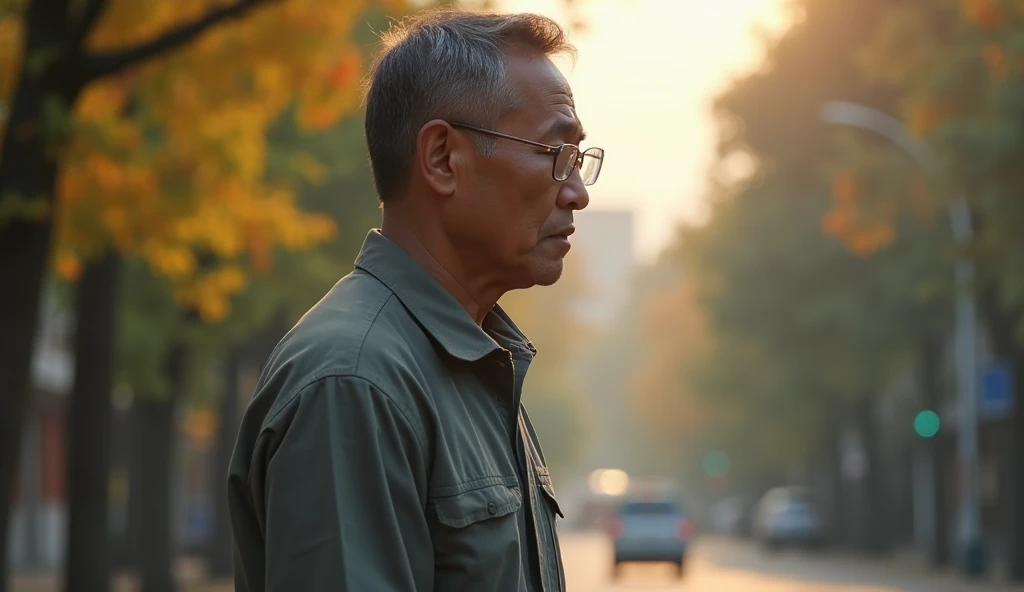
(38, 514)
(603, 245)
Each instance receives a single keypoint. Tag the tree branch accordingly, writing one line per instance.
(81, 26)
(98, 65)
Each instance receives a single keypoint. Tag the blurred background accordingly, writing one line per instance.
(784, 355)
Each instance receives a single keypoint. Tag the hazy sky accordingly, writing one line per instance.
(644, 80)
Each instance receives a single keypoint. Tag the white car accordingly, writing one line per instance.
(788, 516)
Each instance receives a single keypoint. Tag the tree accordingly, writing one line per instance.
(956, 67)
(104, 111)
(89, 424)
(804, 330)
(65, 104)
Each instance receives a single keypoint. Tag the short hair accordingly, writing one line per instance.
(444, 64)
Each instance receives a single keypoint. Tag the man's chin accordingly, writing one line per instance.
(548, 273)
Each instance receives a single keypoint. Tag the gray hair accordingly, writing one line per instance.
(444, 64)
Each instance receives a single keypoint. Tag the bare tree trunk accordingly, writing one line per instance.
(876, 532)
(156, 423)
(1002, 325)
(25, 171)
(219, 559)
(89, 425)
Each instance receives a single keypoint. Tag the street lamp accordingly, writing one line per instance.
(854, 115)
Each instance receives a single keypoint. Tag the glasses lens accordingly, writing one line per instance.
(565, 161)
(591, 167)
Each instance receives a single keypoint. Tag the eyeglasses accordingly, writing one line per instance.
(567, 156)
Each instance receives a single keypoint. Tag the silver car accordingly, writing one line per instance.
(788, 516)
(651, 531)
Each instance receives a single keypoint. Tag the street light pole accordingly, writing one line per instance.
(854, 115)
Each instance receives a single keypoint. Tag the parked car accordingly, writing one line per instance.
(788, 516)
(651, 530)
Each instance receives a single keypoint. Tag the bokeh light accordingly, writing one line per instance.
(716, 463)
(609, 481)
(926, 424)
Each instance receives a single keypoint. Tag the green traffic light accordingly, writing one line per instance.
(716, 463)
(926, 424)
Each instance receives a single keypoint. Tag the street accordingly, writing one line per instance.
(714, 565)
(727, 566)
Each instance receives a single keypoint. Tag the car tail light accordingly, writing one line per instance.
(685, 529)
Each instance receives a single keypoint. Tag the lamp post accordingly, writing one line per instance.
(859, 116)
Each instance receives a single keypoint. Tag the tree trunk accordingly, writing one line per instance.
(25, 170)
(219, 554)
(838, 530)
(89, 426)
(931, 385)
(874, 506)
(156, 423)
(134, 458)
(1016, 477)
(1002, 325)
(239, 361)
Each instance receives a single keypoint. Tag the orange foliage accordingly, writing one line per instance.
(920, 203)
(844, 222)
(837, 223)
(995, 59)
(984, 13)
(867, 241)
(844, 188)
(167, 159)
(925, 115)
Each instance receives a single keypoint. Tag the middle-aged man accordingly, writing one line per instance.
(385, 448)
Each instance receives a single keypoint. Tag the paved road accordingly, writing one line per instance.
(726, 566)
(714, 566)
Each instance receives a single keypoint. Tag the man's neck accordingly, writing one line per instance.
(439, 261)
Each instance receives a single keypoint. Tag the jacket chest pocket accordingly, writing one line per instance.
(476, 534)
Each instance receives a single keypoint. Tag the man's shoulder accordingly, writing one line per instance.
(359, 331)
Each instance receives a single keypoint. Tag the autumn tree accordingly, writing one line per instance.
(804, 329)
(958, 71)
(140, 130)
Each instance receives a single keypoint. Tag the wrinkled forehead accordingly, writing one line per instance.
(543, 92)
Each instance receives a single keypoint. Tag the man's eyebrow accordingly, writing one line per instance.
(562, 128)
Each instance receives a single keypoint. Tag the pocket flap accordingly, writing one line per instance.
(492, 501)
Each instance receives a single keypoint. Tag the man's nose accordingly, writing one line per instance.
(574, 194)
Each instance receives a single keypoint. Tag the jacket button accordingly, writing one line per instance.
(492, 509)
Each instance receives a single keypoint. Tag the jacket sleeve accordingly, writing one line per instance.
(344, 493)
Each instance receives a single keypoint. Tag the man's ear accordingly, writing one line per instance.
(440, 156)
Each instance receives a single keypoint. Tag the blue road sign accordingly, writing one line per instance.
(996, 392)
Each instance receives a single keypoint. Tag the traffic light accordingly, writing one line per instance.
(926, 424)
(716, 463)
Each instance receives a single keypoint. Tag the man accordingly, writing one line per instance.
(385, 448)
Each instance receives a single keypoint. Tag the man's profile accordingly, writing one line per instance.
(385, 447)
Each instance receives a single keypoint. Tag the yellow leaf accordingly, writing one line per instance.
(69, 267)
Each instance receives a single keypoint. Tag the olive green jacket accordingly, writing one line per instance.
(386, 449)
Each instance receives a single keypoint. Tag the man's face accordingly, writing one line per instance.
(516, 217)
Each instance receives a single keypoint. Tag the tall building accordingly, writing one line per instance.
(603, 247)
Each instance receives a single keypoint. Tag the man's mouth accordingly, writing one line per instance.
(563, 233)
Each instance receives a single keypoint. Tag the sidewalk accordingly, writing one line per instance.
(189, 570)
(905, 569)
